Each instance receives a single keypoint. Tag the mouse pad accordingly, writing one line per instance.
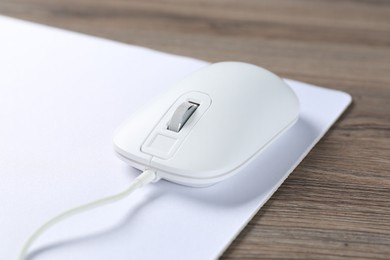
(62, 95)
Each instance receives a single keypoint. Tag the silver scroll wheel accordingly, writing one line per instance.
(181, 115)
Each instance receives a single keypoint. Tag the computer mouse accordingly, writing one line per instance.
(209, 125)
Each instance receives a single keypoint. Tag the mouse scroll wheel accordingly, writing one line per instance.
(181, 115)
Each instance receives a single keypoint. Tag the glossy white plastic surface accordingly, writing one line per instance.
(242, 108)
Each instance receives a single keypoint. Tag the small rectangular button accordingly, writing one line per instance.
(162, 144)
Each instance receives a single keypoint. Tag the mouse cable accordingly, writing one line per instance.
(146, 177)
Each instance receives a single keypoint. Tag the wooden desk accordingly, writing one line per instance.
(337, 202)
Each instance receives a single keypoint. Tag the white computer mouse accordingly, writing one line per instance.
(209, 125)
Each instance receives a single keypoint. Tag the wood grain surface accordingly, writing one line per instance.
(336, 203)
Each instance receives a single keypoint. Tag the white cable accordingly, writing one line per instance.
(146, 177)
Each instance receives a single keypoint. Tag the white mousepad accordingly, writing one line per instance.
(62, 95)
